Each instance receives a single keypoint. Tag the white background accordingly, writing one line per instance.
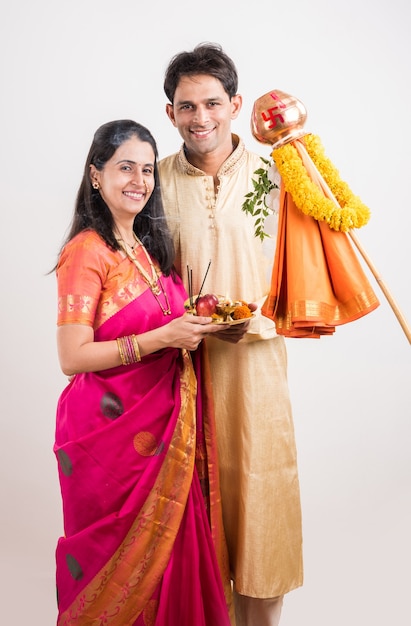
(69, 66)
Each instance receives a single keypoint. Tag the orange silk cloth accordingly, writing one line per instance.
(317, 282)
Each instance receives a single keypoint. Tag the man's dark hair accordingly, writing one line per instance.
(206, 58)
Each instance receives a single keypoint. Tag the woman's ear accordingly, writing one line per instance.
(94, 175)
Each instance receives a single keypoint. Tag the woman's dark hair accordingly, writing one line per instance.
(91, 212)
(206, 58)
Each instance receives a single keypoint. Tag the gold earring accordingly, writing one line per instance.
(147, 187)
(95, 185)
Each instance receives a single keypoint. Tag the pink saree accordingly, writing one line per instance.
(135, 445)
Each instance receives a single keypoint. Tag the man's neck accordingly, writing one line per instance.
(210, 162)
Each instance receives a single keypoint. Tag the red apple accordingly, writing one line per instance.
(206, 305)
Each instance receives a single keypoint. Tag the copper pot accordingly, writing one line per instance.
(278, 118)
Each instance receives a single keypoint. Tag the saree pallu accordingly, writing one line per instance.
(138, 549)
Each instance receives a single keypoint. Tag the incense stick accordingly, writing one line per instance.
(190, 285)
(204, 279)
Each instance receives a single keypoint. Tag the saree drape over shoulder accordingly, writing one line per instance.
(135, 445)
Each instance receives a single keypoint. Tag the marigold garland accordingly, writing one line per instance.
(351, 213)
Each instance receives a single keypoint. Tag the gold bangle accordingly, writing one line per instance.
(121, 351)
(136, 347)
(128, 349)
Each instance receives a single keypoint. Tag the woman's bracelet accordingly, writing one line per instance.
(128, 349)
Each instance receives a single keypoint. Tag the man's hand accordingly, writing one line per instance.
(234, 334)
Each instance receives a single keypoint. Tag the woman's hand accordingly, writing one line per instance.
(189, 330)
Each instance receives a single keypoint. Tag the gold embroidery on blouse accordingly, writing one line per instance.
(76, 309)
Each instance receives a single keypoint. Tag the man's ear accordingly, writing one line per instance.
(236, 104)
(170, 113)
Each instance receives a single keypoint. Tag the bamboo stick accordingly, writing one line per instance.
(400, 317)
(394, 306)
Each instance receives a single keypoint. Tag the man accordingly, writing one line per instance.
(203, 188)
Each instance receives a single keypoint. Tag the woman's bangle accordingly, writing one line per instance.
(136, 347)
(128, 349)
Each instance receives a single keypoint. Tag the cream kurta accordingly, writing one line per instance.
(259, 481)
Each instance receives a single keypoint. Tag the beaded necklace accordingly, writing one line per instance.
(153, 281)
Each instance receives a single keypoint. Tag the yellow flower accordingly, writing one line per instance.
(308, 197)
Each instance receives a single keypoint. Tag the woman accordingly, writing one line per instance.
(134, 436)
